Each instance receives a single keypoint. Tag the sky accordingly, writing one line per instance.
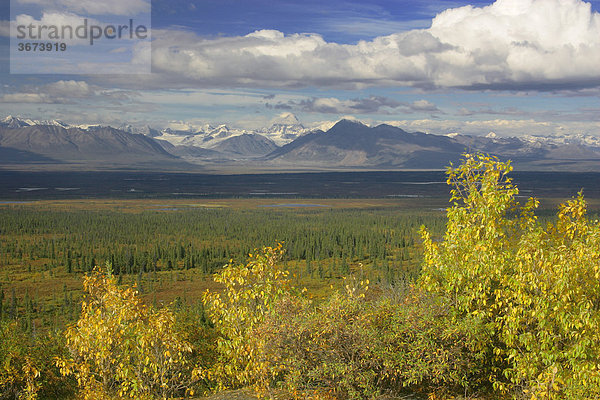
(511, 67)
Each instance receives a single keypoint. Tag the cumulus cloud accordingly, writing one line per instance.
(510, 44)
(67, 92)
(520, 42)
(332, 105)
(77, 89)
(363, 105)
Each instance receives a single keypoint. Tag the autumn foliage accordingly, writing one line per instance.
(250, 292)
(535, 288)
(121, 348)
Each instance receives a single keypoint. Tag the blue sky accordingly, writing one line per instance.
(511, 66)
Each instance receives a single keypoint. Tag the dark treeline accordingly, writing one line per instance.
(204, 238)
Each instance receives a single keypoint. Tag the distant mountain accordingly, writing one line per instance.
(143, 130)
(95, 146)
(13, 156)
(239, 147)
(535, 151)
(353, 144)
(15, 122)
(209, 136)
(284, 129)
(247, 145)
(346, 144)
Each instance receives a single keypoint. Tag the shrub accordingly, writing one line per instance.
(351, 347)
(26, 367)
(536, 288)
(122, 348)
(422, 348)
(249, 293)
(193, 327)
(326, 350)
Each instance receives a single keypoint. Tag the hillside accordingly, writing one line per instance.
(353, 144)
(92, 147)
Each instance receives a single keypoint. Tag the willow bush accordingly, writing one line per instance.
(536, 288)
(122, 348)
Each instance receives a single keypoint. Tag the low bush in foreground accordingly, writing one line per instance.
(536, 288)
(121, 348)
(27, 369)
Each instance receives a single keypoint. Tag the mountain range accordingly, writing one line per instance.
(285, 146)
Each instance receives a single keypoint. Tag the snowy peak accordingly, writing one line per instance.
(286, 119)
(13, 122)
(16, 122)
(222, 132)
(345, 143)
(146, 130)
(284, 128)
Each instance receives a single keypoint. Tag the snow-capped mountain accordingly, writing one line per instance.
(234, 142)
(145, 130)
(16, 122)
(206, 137)
(97, 147)
(221, 140)
(284, 129)
(288, 143)
(350, 143)
(575, 139)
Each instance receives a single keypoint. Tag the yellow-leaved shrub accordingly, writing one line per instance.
(122, 348)
(27, 370)
(249, 294)
(537, 288)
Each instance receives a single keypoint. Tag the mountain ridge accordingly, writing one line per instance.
(346, 144)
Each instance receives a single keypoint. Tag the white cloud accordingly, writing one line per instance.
(127, 54)
(423, 105)
(24, 98)
(96, 7)
(68, 92)
(360, 105)
(332, 105)
(77, 89)
(502, 127)
(511, 44)
(520, 41)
